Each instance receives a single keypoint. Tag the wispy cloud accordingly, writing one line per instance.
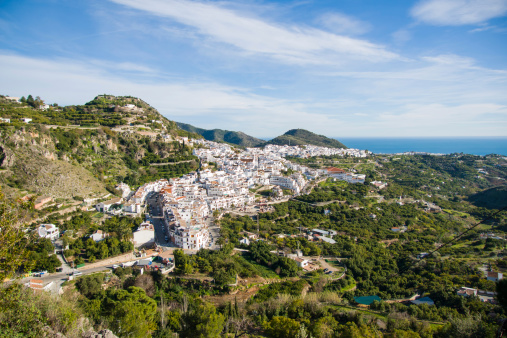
(289, 43)
(458, 12)
(207, 104)
(401, 36)
(344, 24)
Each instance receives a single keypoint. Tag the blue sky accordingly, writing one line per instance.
(339, 68)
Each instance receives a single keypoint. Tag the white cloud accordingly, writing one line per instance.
(438, 119)
(341, 23)
(402, 35)
(438, 95)
(207, 104)
(293, 44)
(458, 12)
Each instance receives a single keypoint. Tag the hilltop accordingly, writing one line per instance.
(219, 135)
(301, 137)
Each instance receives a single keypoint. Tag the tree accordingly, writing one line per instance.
(181, 262)
(204, 322)
(282, 327)
(13, 248)
(90, 285)
(288, 267)
(131, 313)
(146, 283)
(501, 293)
(30, 101)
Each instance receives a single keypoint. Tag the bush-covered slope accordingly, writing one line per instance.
(494, 198)
(220, 135)
(300, 137)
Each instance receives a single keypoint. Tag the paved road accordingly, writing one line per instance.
(157, 218)
(61, 277)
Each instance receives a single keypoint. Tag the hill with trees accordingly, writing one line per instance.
(493, 198)
(297, 137)
(80, 151)
(219, 135)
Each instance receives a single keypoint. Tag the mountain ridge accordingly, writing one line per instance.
(220, 135)
(292, 137)
(301, 137)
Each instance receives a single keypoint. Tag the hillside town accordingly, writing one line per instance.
(187, 202)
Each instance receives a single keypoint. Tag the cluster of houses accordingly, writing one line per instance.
(8, 120)
(342, 175)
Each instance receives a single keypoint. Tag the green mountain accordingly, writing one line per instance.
(301, 137)
(493, 198)
(220, 135)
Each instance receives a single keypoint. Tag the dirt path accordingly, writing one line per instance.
(110, 261)
(170, 163)
(61, 212)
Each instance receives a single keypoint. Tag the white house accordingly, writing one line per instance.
(105, 206)
(4, 120)
(467, 292)
(98, 235)
(131, 207)
(301, 262)
(494, 276)
(245, 241)
(50, 231)
(26, 119)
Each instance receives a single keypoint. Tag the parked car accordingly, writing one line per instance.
(59, 269)
(326, 270)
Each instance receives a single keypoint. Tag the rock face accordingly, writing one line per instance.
(100, 334)
(111, 145)
(48, 332)
(7, 157)
(55, 178)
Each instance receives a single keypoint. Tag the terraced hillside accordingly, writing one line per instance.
(71, 152)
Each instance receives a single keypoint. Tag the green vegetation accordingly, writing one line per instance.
(379, 235)
(219, 135)
(493, 198)
(301, 137)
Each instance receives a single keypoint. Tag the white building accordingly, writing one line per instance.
(50, 231)
(98, 235)
(132, 208)
(494, 276)
(124, 188)
(191, 237)
(105, 206)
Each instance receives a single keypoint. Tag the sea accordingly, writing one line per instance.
(442, 145)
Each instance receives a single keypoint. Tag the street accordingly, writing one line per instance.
(156, 216)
